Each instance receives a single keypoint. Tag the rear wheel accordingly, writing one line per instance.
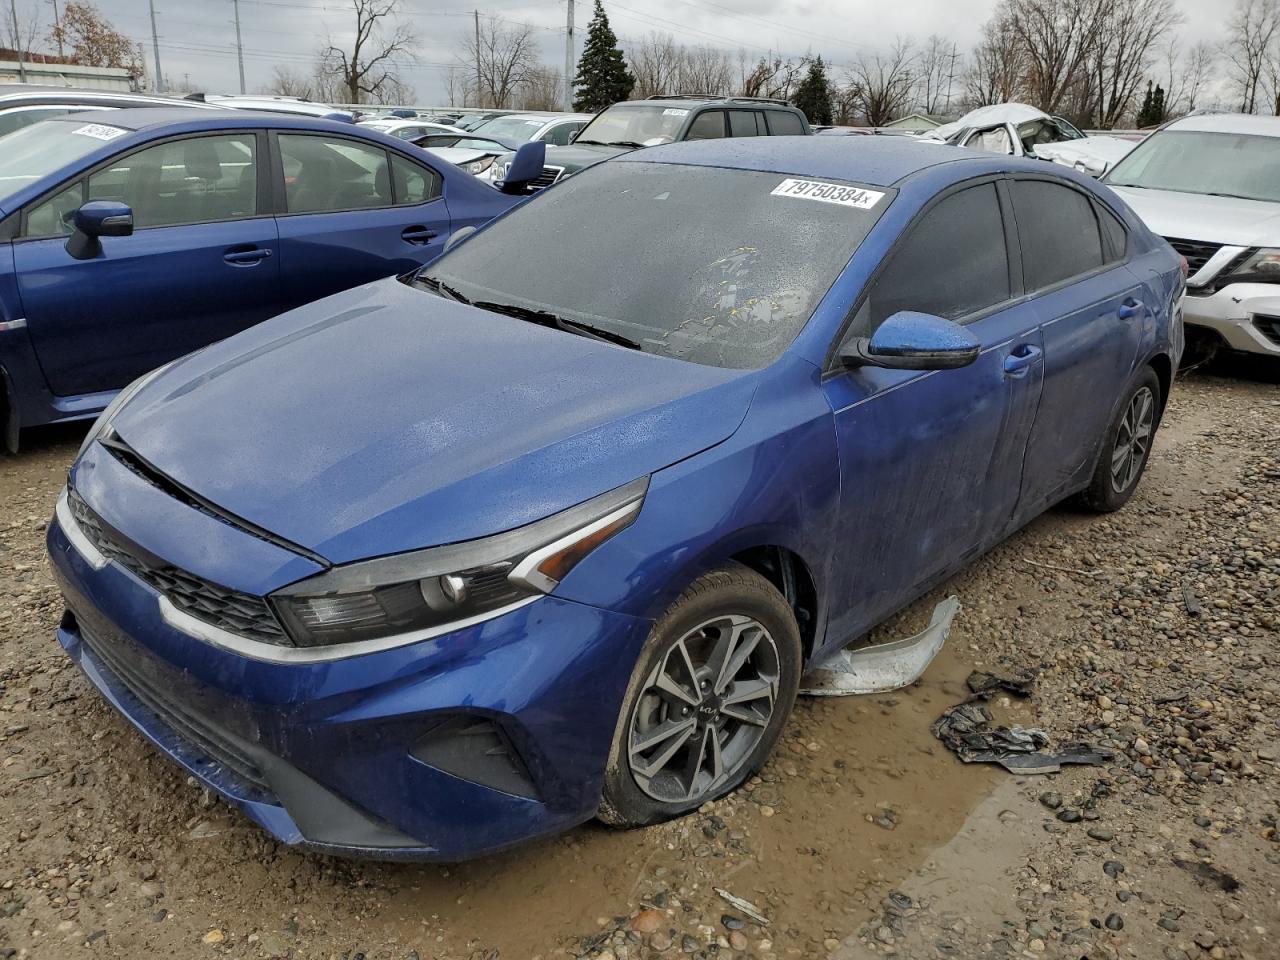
(1127, 446)
(707, 701)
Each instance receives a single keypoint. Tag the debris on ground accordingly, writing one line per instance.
(743, 906)
(983, 684)
(1207, 874)
(885, 666)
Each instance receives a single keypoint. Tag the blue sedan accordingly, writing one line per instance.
(132, 238)
(551, 529)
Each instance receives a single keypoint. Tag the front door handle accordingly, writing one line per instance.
(418, 235)
(1131, 308)
(245, 258)
(1023, 358)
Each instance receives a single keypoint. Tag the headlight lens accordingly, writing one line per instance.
(102, 426)
(416, 595)
(478, 167)
(1262, 266)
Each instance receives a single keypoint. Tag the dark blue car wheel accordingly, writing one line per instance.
(707, 701)
(1126, 448)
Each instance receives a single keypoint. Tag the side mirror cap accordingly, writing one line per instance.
(914, 341)
(526, 167)
(457, 237)
(104, 218)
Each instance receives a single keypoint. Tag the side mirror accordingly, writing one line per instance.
(457, 237)
(573, 135)
(104, 218)
(98, 218)
(525, 168)
(914, 341)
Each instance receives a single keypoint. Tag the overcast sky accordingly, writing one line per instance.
(197, 37)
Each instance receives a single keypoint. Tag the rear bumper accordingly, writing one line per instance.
(323, 754)
(1245, 315)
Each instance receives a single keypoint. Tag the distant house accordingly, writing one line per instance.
(915, 123)
(48, 70)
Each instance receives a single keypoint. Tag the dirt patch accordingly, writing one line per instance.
(862, 837)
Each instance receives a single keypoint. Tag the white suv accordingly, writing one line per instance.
(1210, 185)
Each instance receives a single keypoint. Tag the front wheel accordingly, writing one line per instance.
(1126, 448)
(707, 701)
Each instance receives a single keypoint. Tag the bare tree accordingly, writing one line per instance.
(290, 82)
(998, 65)
(458, 84)
(90, 39)
(543, 89)
(1250, 49)
(1057, 38)
(21, 37)
(1187, 74)
(368, 69)
(655, 63)
(934, 66)
(776, 78)
(501, 58)
(883, 82)
(705, 69)
(1124, 49)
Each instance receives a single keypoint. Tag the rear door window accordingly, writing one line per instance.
(327, 174)
(954, 263)
(742, 123)
(707, 126)
(1057, 231)
(783, 123)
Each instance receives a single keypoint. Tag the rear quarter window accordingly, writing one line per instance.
(783, 123)
(1058, 232)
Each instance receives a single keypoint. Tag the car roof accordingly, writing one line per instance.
(877, 161)
(46, 92)
(1244, 123)
(145, 118)
(693, 101)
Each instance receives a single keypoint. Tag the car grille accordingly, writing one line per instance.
(548, 176)
(207, 740)
(1197, 254)
(218, 606)
(1269, 327)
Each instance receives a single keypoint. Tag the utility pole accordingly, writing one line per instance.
(155, 46)
(22, 70)
(568, 62)
(239, 49)
(951, 75)
(57, 28)
(478, 100)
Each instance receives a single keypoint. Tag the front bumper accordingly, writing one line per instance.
(323, 754)
(1245, 315)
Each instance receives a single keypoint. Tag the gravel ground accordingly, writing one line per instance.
(1154, 633)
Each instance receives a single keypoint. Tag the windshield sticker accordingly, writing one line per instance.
(828, 193)
(99, 131)
(674, 112)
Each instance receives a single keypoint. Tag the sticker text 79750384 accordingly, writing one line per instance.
(840, 193)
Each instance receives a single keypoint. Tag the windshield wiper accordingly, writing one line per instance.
(624, 143)
(1233, 196)
(594, 143)
(441, 288)
(547, 319)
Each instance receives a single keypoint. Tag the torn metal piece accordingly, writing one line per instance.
(967, 731)
(884, 667)
(743, 906)
(983, 684)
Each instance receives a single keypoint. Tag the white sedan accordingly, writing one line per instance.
(409, 129)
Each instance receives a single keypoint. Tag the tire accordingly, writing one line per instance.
(733, 716)
(1117, 475)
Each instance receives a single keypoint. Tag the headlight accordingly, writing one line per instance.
(102, 425)
(1262, 266)
(416, 595)
(478, 167)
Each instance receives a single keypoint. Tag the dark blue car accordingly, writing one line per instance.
(206, 223)
(551, 529)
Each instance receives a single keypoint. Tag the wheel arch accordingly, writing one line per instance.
(1163, 366)
(9, 420)
(789, 573)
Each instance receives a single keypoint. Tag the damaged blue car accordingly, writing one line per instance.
(551, 528)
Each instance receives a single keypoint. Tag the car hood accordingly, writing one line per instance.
(1092, 155)
(386, 419)
(1194, 216)
(575, 157)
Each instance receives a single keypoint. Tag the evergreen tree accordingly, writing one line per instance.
(603, 77)
(1154, 110)
(813, 97)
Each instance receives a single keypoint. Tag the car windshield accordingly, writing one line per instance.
(32, 153)
(1193, 161)
(514, 129)
(628, 124)
(720, 267)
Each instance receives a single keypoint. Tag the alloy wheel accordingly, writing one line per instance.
(703, 710)
(1133, 440)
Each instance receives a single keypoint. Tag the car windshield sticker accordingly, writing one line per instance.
(828, 193)
(99, 131)
(674, 112)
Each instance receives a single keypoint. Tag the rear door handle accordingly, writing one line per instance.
(246, 258)
(1130, 308)
(418, 235)
(1022, 358)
